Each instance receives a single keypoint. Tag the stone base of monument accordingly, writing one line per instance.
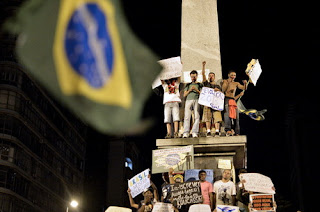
(213, 152)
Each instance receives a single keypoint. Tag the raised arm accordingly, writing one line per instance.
(132, 203)
(244, 86)
(171, 180)
(203, 71)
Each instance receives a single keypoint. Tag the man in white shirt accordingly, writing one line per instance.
(224, 190)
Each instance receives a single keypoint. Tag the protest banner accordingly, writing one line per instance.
(262, 202)
(200, 208)
(193, 175)
(172, 68)
(257, 183)
(162, 207)
(139, 183)
(255, 71)
(210, 98)
(179, 158)
(186, 193)
(227, 208)
(187, 79)
(224, 164)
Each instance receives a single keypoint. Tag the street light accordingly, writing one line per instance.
(73, 204)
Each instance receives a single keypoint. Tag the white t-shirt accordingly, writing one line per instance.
(171, 93)
(224, 192)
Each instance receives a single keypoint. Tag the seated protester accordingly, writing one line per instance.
(150, 196)
(224, 190)
(147, 203)
(165, 188)
(171, 100)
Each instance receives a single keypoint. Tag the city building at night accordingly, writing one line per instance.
(42, 146)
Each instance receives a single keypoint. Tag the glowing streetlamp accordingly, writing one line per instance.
(73, 204)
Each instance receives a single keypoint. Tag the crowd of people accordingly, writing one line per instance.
(221, 192)
(181, 104)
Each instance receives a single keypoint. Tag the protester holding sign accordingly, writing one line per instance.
(171, 100)
(224, 190)
(210, 115)
(231, 112)
(192, 92)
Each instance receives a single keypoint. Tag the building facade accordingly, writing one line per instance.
(42, 146)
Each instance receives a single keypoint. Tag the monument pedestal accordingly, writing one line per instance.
(209, 150)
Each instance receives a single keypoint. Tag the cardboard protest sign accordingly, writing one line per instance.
(139, 183)
(210, 98)
(180, 158)
(162, 207)
(262, 202)
(193, 175)
(227, 208)
(186, 193)
(255, 72)
(200, 208)
(187, 79)
(117, 209)
(224, 164)
(257, 183)
(172, 68)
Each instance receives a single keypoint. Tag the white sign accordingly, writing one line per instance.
(179, 158)
(117, 209)
(172, 68)
(162, 207)
(187, 78)
(257, 183)
(224, 164)
(139, 183)
(210, 98)
(227, 208)
(200, 208)
(255, 72)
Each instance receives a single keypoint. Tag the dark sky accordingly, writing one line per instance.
(284, 36)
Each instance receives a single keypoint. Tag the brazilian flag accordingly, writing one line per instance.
(85, 54)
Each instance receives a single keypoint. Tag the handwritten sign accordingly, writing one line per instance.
(262, 202)
(224, 164)
(172, 68)
(139, 183)
(255, 72)
(193, 175)
(210, 98)
(162, 207)
(257, 183)
(180, 159)
(227, 208)
(186, 193)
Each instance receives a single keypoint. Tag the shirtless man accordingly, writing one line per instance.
(231, 112)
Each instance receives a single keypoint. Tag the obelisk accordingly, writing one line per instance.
(200, 36)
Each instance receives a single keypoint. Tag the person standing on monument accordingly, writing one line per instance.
(192, 92)
(224, 190)
(231, 111)
(171, 100)
(211, 116)
(206, 189)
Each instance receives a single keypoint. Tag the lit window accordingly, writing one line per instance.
(128, 163)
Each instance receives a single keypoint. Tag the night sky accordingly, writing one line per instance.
(285, 38)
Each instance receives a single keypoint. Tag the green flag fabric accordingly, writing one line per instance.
(85, 54)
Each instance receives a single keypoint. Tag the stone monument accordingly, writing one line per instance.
(200, 36)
